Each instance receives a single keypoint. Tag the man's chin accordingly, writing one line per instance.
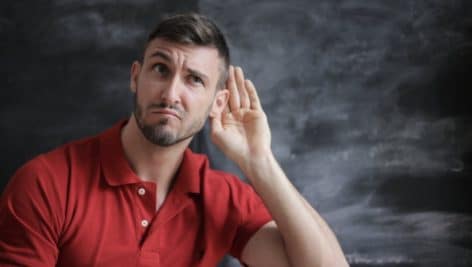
(158, 135)
(163, 133)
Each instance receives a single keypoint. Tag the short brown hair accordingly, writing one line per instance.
(194, 29)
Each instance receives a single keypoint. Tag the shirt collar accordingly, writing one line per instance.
(117, 170)
(189, 176)
(115, 166)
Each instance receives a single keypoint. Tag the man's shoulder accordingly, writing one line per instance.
(84, 148)
(59, 161)
(211, 174)
(226, 195)
(221, 181)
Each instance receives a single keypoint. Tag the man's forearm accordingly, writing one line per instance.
(308, 239)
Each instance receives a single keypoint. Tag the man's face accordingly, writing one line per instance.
(175, 90)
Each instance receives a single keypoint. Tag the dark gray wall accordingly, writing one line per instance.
(369, 103)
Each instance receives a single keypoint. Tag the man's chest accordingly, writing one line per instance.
(119, 227)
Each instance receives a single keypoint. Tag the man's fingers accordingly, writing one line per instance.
(252, 95)
(227, 110)
(243, 95)
(234, 103)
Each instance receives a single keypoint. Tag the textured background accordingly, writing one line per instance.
(369, 103)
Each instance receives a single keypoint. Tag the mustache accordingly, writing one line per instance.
(164, 105)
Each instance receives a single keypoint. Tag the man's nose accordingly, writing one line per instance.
(171, 91)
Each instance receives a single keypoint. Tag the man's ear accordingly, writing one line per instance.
(134, 73)
(219, 103)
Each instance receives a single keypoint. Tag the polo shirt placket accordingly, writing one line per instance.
(145, 203)
(145, 200)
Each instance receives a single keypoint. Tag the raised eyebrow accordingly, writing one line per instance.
(197, 73)
(161, 54)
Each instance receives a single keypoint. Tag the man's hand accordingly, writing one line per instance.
(241, 131)
(298, 233)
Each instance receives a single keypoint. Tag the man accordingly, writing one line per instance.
(135, 195)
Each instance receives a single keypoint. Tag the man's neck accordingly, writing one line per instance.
(151, 162)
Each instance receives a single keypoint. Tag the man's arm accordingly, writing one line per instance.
(308, 241)
(299, 236)
(29, 219)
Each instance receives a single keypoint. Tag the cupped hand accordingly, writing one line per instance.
(241, 131)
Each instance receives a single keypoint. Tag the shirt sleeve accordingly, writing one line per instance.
(253, 214)
(29, 218)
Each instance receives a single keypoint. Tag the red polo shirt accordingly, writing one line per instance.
(82, 205)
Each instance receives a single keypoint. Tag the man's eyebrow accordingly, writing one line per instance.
(198, 73)
(161, 54)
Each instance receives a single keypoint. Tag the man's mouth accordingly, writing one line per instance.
(166, 111)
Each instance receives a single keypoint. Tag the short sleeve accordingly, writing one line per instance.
(253, 214)
(29, 220)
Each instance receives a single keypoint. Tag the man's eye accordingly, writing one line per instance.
(160, 68)
(195, 79)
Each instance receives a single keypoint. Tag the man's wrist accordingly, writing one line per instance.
(259, 165)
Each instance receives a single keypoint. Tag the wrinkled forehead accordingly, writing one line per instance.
(205, 56)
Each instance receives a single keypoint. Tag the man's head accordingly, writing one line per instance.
(197, 30)
(177, 82)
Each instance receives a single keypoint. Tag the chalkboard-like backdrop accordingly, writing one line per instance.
(369, 103)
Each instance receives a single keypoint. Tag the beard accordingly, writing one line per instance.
(158, 133)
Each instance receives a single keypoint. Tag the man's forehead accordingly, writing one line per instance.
(193, 54)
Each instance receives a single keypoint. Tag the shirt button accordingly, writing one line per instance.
(141, 191)
(144, 223)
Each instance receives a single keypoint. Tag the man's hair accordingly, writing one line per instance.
(194, 29)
